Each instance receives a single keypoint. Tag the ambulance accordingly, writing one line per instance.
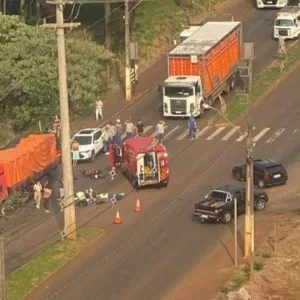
(142, 160)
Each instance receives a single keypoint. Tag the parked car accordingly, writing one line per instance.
(90, 142)
(219, 203)
(266, 173)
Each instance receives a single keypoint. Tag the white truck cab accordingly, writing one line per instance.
(182, 96)
(271, 3)
(287, 23)
(188, 32)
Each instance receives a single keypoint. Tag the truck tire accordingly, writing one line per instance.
(211, 101)
(226, 217)
(232, 83)
(227, 87)
(260, 205)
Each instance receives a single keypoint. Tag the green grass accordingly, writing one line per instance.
(159, 22)
(237, 105)
(22, 281)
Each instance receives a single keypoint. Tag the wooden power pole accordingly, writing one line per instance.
(69, 207)
(2, 269)
(127, 53)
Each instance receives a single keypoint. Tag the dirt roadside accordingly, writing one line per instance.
(210, 274)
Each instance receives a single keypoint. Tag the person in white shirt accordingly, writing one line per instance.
(99, 109)
(37, 188)
(130, 128)
(160, 130)
(105, 138)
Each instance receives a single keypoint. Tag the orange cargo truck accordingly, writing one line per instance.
(26, 162)
(201, 68)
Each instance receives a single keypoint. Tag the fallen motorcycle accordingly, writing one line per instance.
(92, 174)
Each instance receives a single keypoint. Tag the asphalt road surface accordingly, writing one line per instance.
(150, 251)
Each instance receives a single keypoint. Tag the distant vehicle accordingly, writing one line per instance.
(287, 23)
(271, 3)
(201, 68)
(142, 160)
(219, 203)
(25, 161)
(266, 173)
(90, 142)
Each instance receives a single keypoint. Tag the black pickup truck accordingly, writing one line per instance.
(219, 203)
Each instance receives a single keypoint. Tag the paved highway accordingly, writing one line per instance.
(141, 258)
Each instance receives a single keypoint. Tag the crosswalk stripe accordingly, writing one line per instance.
(147, 128)
(242, 137)
(155, 133)
(217, 132)
(275, 135)
(261, 134)
(201, 132)
(183, 135)
(171, 132)
(230, 133)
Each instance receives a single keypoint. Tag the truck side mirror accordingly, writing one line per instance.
(159, 88)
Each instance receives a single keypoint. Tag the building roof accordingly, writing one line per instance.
(143, 144)
(204, 38)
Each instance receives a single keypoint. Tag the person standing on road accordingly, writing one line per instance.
(75, 152)
(105, 139)
(192, 127)
(160, 131)
(129, 128)
(113, 132)
(47, 195)
(99, 109)
(119, 132)
(139, 127)
(37, 188)
(56, 126)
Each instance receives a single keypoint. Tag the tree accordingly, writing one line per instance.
(28, 73)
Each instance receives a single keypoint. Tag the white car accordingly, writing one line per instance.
(90, 143)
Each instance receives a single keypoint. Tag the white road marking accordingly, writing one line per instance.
(275, 135)
(171, 132)
(155, 133)
(202, 132)
(147, 128)
(230, 133)
(217, 132)
(242, 137)
(260, 135)
(183, 135)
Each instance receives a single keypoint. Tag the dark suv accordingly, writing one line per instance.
(266, 172)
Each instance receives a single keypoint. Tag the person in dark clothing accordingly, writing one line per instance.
(47, 191)
(139, 127)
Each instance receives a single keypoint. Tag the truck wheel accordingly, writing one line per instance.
(260, 205)
(93, 156)
(228, 87)
(232, 83)
(211, 101)
(238, 176)
(227, 217)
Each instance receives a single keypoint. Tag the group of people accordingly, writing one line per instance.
(42, 193)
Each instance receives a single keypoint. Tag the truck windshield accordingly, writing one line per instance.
(284, 23)
(172, 91)
(83, 140)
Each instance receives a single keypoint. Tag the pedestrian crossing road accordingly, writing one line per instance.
(220, 133)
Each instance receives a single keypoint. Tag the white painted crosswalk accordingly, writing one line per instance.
(223, 134)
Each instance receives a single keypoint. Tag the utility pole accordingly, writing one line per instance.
(2, 269)
(245, 77)
(127, 53)
(69, 207)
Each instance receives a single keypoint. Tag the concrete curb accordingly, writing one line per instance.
(100, 236)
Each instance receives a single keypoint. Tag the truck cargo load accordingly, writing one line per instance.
(201, 68)
(27, 161)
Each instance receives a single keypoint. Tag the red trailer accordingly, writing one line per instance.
(142, 160)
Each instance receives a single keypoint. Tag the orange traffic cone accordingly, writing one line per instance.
(138, 206)
(117, 218)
